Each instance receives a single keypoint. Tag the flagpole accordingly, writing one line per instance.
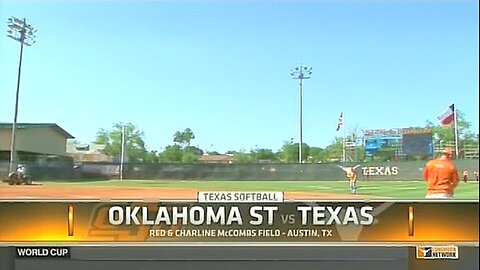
(344, 135)
(122, 156)
(456, 130)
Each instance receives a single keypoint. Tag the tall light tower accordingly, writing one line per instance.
(301, 73)
(122, 152)
(24, 33)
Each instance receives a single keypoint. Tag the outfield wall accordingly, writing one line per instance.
(404, 170)
(372, 171)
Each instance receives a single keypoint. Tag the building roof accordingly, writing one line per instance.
(216, 158)
(38, 125)
(92, 148)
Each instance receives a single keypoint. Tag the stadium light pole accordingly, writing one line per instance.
(24, 33)
(122, 154)
(301, 73)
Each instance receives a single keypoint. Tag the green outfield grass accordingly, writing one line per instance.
(385, 189)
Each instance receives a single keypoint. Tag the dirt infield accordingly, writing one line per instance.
(130, 193)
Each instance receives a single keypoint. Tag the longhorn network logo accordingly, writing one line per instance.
(437, 252)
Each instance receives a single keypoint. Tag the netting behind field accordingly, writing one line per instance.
(231, 171)
(405, 170)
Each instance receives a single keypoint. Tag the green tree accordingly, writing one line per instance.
(189, 157)
(181, 151)
(135, 150)
(290, 152)
(360, 153)
(191, 154)
(317, 154)
(172, 154)
(152, 157)
(193, 149)
(334, 151)
(259, 155)
(445, 135)
(184, 138)
(242, 157)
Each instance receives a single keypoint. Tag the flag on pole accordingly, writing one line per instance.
(340, 121)
(448, 117)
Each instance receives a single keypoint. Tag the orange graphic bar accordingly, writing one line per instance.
(410, 221)
(70, 220)
(414, 223)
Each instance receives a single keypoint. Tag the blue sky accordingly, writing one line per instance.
(222, 68)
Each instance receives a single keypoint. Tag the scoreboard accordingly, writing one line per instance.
(417, 144)
(405, 141)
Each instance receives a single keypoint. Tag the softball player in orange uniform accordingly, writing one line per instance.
(441, 176)
(352, 179)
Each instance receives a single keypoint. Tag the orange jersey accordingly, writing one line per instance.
(352, 176)
(441, 176)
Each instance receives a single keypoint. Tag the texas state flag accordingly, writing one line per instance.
(448, 116)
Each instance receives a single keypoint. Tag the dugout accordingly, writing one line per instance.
(40, 146)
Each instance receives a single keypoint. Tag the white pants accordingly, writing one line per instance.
(439, 196)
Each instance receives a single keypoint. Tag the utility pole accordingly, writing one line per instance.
(122, 155)
(301, 73)
(24, 33)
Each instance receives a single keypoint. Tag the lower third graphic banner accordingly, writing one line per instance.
(300, 222)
